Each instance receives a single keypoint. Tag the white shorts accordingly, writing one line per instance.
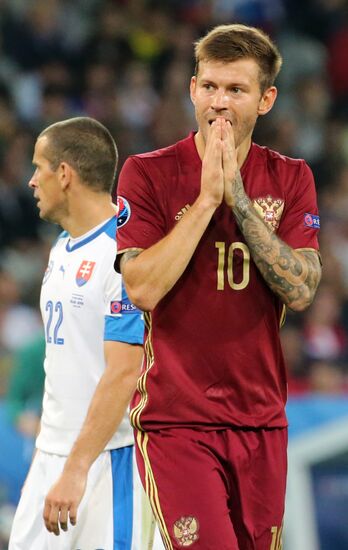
(113, 515)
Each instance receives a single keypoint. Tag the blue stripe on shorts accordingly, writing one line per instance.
(122, 479)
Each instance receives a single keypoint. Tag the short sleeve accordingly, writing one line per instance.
(300, 221)
(123, 321)
(140, 219)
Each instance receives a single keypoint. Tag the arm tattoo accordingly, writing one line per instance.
(128, 255)
(293, 275)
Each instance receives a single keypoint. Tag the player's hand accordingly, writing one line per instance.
(233, 184)
(212, 181)
(62, 501)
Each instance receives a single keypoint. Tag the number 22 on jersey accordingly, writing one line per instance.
(54, 322)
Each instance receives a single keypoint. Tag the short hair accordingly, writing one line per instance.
(228, 43)
(87, 146)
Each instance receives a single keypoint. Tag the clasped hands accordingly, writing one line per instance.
(221, 179)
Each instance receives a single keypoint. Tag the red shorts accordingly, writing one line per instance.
(218, 490)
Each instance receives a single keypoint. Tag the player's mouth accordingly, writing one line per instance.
(211, 120)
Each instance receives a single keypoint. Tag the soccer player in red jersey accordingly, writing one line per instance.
(218, 236)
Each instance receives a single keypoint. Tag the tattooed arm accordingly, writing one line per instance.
(293, 275)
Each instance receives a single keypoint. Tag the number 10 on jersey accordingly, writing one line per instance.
(227, 264)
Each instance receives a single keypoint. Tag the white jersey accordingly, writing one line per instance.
(83, 304)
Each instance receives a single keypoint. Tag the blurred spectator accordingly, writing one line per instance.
(18, 322)
(325, 337)
(326, 377)
(25, 389)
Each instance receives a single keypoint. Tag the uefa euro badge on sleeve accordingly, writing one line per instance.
(311, 220)
(123, 211)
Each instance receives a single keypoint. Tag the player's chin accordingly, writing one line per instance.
(43, 214)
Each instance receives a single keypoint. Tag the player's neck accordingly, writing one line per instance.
(89, 212)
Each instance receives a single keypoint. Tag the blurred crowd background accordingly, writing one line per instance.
(128, 64)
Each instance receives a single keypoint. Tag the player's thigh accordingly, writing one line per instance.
(187, 488)
(258, 484)
(28, 526)
(28, 529)
(115, 514)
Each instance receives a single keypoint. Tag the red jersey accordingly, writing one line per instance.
(213, 354)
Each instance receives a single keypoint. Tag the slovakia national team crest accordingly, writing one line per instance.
(124, 211)
(84, 272)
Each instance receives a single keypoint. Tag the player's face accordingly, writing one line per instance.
(46, 185)
(232, 91)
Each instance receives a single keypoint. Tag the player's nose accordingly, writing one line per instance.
(219, 100)
(32, 183)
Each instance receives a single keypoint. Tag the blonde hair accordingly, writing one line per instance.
(228, 43)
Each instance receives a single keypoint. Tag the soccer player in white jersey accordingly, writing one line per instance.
(83, 469)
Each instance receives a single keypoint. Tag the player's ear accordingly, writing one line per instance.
(267, 100)
(193, 85)
(65, 174)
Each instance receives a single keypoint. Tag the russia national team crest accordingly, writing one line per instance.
(270, 210)
(124, 211)
(186, 530)
(84, 272)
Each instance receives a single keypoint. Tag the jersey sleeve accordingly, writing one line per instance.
(140, 220)
(123, 321)
(300, 222)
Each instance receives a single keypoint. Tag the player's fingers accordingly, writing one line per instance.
(73, 514)
(51, 521)
(46, 515)
(63, 518)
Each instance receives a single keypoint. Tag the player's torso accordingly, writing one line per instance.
(73, 305)
(216, 332)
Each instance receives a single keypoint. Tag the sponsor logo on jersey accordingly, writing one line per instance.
(123, 306)
(84, 272)
(186, 530)
(124, 211)
(182, 211)
(311, 220)
(48, 271)
(270, 210)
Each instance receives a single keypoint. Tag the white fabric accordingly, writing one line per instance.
(94, 527)
(74, 318)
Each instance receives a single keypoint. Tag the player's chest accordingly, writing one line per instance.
(74, 282)
(265, 191)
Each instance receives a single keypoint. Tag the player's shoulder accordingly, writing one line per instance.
(109, 229)
(158, 154)
(275, 159)
(166, 156)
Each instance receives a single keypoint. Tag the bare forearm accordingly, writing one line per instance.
(150, 274)
(106, 411)
(292, 275)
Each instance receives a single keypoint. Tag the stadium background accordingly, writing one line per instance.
(128, 63)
